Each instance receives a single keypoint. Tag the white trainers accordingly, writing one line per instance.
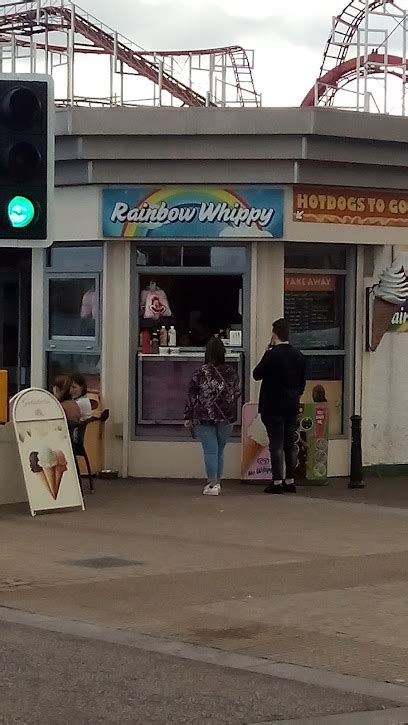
(212, 489)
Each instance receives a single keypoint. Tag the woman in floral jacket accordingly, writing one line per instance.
(211, 410)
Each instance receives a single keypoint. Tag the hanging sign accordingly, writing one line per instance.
(389, 311)
(45, 450)
(193, 212)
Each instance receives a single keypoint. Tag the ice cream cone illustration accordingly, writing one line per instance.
(256, 441)
(33, 459)
(391, 294)
(49, 473)
(60, 469)
(47, 460)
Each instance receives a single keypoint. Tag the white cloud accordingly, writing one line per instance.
(243, 231)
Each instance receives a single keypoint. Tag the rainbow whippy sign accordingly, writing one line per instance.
(194, 212)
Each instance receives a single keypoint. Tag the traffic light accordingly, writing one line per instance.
(26, 160)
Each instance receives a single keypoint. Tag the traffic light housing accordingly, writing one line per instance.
(26, 160)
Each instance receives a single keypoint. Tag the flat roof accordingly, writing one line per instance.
(148, 121)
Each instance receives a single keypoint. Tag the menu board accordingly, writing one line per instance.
(310, 306)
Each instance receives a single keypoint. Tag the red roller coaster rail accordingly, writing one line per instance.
(29, 25)
(355, 49)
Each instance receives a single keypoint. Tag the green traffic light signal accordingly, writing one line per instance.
(20, 212)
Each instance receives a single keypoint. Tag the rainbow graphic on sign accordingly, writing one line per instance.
(205, 212)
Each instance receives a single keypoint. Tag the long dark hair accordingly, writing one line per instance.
(63, 384)
(80, 380)
(215, 352)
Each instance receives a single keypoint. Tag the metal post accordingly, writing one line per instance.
(111, 80)
(160, 81)
(385, 74)
(46, 50)
(172, 75)
(358, 68)
(71, 55)
(404, 62)
(356, 463)
(223, 80)
(366, 40)
(190, 70)
(154, 84)
(32, 55)
(211, 78)
(13, 53)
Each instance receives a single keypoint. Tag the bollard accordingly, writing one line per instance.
(356, 463)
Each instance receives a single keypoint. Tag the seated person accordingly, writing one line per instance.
(78, 394)
(62, 390)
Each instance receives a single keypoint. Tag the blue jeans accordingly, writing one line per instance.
(213, 439)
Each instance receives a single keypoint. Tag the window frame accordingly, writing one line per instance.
(347, 352)
(73, 342)
(72, 345)
(138, 271)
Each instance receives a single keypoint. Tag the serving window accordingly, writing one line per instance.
(195, 290)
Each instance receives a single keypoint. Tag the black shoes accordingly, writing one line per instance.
(274, 489)
(280, 488)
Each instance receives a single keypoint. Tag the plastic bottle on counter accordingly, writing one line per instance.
(172, 336)
(163, 338)
(155, 344)
(146, 339)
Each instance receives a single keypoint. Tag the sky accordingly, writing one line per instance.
(288, 37)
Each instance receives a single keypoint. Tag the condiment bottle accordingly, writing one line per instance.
(163, 336)
(146, 342)
(172, 336)
(155, 344)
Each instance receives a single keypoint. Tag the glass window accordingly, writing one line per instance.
(159, 256)
(73, 307)
(197, 305)
(61, 363)
(325, 383)
(75, 258)
(316, 256)
(314, 305)
(232, 259)
(197, 256)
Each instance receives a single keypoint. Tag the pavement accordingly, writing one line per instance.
(311, 588)
(50, 678)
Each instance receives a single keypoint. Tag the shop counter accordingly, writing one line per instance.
(162, 384)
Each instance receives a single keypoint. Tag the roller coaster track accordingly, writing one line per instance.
(25, 21)
(336, 67)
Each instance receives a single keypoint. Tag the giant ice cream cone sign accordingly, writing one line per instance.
(390, 309)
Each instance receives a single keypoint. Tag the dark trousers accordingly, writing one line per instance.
(282, 445)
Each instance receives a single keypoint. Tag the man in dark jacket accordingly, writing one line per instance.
(282, 371)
